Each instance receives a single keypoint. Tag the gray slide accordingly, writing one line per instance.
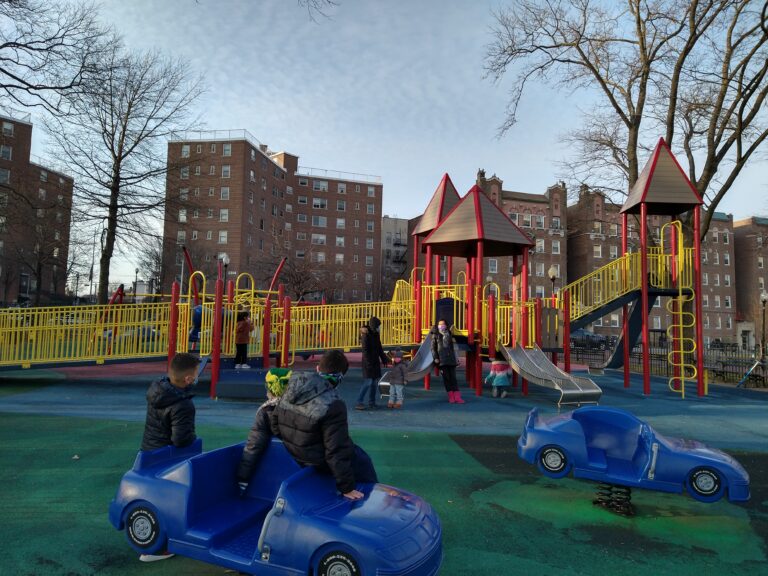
(419, 366)
(533, 365)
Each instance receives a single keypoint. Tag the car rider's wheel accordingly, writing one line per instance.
(706, 485)
(553, 462)
(143, 528)
(338, 563)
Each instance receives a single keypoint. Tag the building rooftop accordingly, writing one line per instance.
(722, 216)
(337, 175)
(524, 196)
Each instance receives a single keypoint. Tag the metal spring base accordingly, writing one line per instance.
(617, 499)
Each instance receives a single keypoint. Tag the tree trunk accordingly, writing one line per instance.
(109, 243)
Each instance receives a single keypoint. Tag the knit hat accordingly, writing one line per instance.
(277, 380)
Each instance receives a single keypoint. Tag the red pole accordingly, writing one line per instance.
(266, 331)
(524, 299)
(173, 328)
(277, 273)
(567, 330)
(428, 267)
(470, 331)
(218, 309)
(286, 330)
(230, 291)
(644, 297)
(699, 315)
(625, 308)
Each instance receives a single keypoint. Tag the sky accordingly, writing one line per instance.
(392, 88)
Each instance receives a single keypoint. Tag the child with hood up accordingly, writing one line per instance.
(398, 378)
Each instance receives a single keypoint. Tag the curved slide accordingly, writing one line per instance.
(533, 365)
(419, 366)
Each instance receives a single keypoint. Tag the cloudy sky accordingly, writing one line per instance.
(393, 88)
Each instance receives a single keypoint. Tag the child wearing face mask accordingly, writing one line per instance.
(444, 357)
(398, 378)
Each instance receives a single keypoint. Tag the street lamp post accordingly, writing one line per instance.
(225, 261)
(77, 286)
(135, 285)
(552, 273)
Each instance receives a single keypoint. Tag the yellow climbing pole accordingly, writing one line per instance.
(683, 320)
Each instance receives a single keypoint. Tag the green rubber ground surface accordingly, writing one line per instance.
(499, 515)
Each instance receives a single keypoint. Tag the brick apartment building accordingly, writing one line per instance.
(35, 216)
(751, 245)
(228, 194)
(394, 244)
(594, 239)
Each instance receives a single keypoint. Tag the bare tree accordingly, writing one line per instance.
(693, 71)
(114, 137)
(47, 48)
(317, 7)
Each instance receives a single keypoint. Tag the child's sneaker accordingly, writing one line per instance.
(245, 366)
(504, 394)
(495, 391)
(390, 405)
(398, 404)
(155, 557)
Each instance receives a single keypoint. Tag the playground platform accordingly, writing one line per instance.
(68, 435)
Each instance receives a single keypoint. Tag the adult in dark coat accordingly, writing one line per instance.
(444, 357)
(373, 358)
(170, 417)
(311, 419)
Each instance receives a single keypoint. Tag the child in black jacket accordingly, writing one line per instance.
(398, 378)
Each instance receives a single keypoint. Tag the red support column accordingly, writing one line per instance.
(697, 303)
(470, 331)
(524, 299)
(230, 291)
(625, 308)
(567, 330)
(218, 309)
(428, 266)
(644, 297)
(266, 332)
(173, 328)
(284, 356)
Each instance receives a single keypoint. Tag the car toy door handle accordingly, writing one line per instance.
(276, 510)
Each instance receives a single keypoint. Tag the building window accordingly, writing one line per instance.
(6, 152)
(493, 266)
(727, 301)
(212, 170)
(319, 185)
(597, 251)
(613, 230)
(725, 238)
(371, 208)
(726, 259)
(526, 220)
(540, 269)
(301, 235)
(539, 245)
(225, 171)
(614, 320)
(539, 291)
(714, 236)
(318, 257)
(556, 222)
(182, 215)
(211, 192)
(224, 215)
(300, 254)
(225, 193)
(597, 227)
(7, 129)
(727, 280)
(704, 279)
(539, 222)
(41, 194)
(341, 223)
(319, 221)
(197, 170)
(357, 223)
(302, 199)
(719, 322)
(43, 176)
(184, 173)
(555, 246)
(369, 226)
(717, 301)
(613, 252)
(716, 259)
(369, 261)
(318, 239)
(184, 194)
(371, 192)
(368, 278)
(342, 188)
(705, 301)
(222, 236)
(210, 213)
(303, 182)
(194, 234)
(513, 217)
(340, 241)
(209, 235)
(341, 205)
(717, 279)
(289, 208)
(301, 217)
(339, 259)
(319, 203)
(728, 322)
(760, 262)
(369, 243)
(704, 257)
(226, 149)
(656, 323)
(196, 213)
(181, 237)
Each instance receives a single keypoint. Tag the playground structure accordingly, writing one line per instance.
(485, 322)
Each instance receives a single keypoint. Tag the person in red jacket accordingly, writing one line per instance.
(242, 339)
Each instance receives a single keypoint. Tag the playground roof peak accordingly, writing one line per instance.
(662, 186)
(476, 217)
(445, 198)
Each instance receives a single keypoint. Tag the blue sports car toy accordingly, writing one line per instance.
(613, 446)
(291, 521)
